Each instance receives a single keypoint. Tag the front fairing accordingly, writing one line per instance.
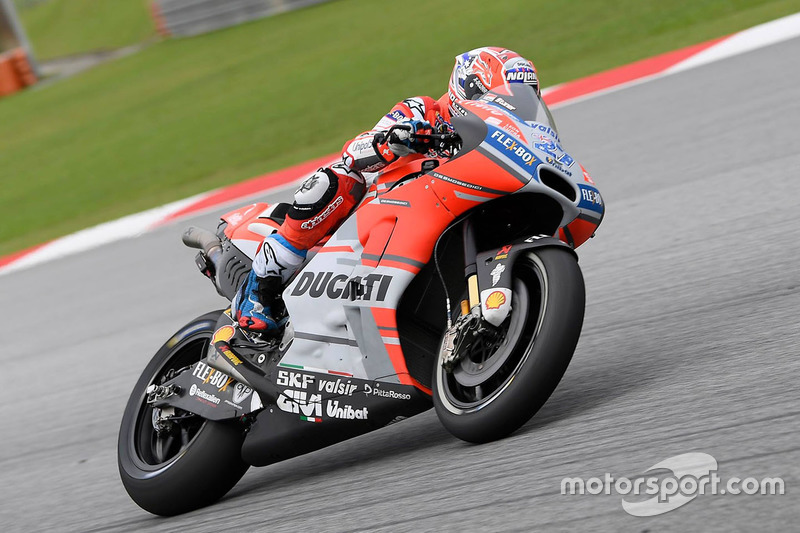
(514, 130)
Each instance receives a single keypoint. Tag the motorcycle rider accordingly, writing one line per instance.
(326, 197)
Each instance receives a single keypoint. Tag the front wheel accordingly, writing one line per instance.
(188, 462)
(503, 381)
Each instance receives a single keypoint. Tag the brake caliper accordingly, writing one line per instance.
(162, 416)
(459, 338)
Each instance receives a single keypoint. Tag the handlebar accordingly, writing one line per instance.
(449, 138)
(437, 141)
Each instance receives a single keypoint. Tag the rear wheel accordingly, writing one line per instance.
(188, 462)
(507, 377)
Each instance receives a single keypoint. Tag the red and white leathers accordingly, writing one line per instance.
(326, 197)
(360, 154)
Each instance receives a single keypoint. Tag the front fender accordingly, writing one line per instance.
(495, 280)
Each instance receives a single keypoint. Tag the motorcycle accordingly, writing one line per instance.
(454, 284)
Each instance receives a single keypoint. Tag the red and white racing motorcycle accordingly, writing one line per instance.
(454, 284)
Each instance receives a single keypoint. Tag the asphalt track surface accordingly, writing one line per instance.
(690, 344)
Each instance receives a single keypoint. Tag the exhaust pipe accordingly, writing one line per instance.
(204, 240)
(210, 247)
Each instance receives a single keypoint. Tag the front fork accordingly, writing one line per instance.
(489, 282)
(470, 270)
(471, 323)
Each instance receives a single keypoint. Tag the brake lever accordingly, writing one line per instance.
(440, 141)
(384, 136)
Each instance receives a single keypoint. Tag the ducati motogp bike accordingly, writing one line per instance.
(454, 284)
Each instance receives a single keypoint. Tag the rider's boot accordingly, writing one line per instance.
(255, 306)
(258, 306)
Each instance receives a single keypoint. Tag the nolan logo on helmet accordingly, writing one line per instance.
(521, 76)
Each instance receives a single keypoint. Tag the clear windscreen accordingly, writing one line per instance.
(523, 101)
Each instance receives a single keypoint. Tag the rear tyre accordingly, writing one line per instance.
(502, 383)
(196, 461)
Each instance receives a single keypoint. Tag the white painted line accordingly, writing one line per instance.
(753, 38)
(122, 228)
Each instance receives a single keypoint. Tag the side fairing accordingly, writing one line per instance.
(331, 305)
(343, 303)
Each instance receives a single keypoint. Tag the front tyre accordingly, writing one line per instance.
(501, 383)
(190, 463)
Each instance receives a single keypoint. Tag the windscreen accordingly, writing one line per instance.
(523, 101)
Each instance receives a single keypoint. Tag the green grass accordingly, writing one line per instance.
(187, 115)
(66, 27)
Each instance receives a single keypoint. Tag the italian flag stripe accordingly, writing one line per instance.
(318, 370)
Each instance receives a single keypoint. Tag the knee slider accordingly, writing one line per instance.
(314, 194)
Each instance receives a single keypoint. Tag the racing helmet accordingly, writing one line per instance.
(483, 69)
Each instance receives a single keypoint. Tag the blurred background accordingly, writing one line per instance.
(140, 102)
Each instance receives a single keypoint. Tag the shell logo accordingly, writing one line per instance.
(495, 300)
(222, 334)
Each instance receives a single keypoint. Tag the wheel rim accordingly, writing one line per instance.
(478, 368)
(484, 373)
(155, 450)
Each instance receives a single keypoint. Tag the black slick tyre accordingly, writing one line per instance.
(197, 461)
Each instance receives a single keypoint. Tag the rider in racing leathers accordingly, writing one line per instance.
(327, 196)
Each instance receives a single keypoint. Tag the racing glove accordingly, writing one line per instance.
(401, 139)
